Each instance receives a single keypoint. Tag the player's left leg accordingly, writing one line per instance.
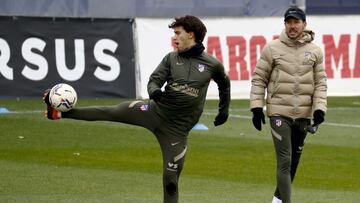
(297, 143)
(140, 113)
(173, 150)
(281, 134)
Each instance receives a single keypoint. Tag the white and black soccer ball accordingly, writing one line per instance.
(62, 97)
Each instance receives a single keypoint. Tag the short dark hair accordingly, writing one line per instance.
(191, 24)
(295, 12)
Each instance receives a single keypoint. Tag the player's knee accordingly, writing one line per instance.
(171, 189)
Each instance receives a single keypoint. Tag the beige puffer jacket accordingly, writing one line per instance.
(294, 76)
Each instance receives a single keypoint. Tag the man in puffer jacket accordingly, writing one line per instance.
(291, 70)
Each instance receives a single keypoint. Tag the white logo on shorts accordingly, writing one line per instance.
(175, 143)
(172, 166)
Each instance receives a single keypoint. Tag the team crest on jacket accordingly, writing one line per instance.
(278, 122)
(307, 55)
(201, 67)
(307, 58)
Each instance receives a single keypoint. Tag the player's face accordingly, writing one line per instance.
(294, 28)
(183, 40)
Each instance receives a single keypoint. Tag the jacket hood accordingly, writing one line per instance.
(308, 36)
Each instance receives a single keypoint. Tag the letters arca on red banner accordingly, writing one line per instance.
(336, 52)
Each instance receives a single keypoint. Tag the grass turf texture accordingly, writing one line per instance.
(79, 161)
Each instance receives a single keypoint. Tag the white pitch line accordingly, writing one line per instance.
(342, 125)
(325, 123)
(25, 112)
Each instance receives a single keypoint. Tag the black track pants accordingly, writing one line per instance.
(288, 137)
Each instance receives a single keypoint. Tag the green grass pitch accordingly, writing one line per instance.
(79, 161)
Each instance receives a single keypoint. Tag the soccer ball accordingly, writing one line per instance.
(62, 97)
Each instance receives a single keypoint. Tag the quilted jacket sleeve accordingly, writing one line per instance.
(260, 78)
(320, 91)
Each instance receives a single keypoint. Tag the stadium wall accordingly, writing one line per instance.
(237, 42)
(142, 8)
(115, 57)
(45, 42)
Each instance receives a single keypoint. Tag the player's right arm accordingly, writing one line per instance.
(223, 82)
(159, 76)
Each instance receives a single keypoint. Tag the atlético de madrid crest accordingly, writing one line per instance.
(307, 58)
(278, 122)
(201, 67)
(307, 55)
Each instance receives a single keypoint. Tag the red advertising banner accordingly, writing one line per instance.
(238, 42)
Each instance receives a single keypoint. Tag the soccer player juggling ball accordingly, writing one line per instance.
(172, 113)
(291, 70)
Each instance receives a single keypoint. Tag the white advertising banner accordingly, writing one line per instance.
(237, 43)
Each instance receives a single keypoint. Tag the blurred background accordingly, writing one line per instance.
(107, 49)
(171, 8)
